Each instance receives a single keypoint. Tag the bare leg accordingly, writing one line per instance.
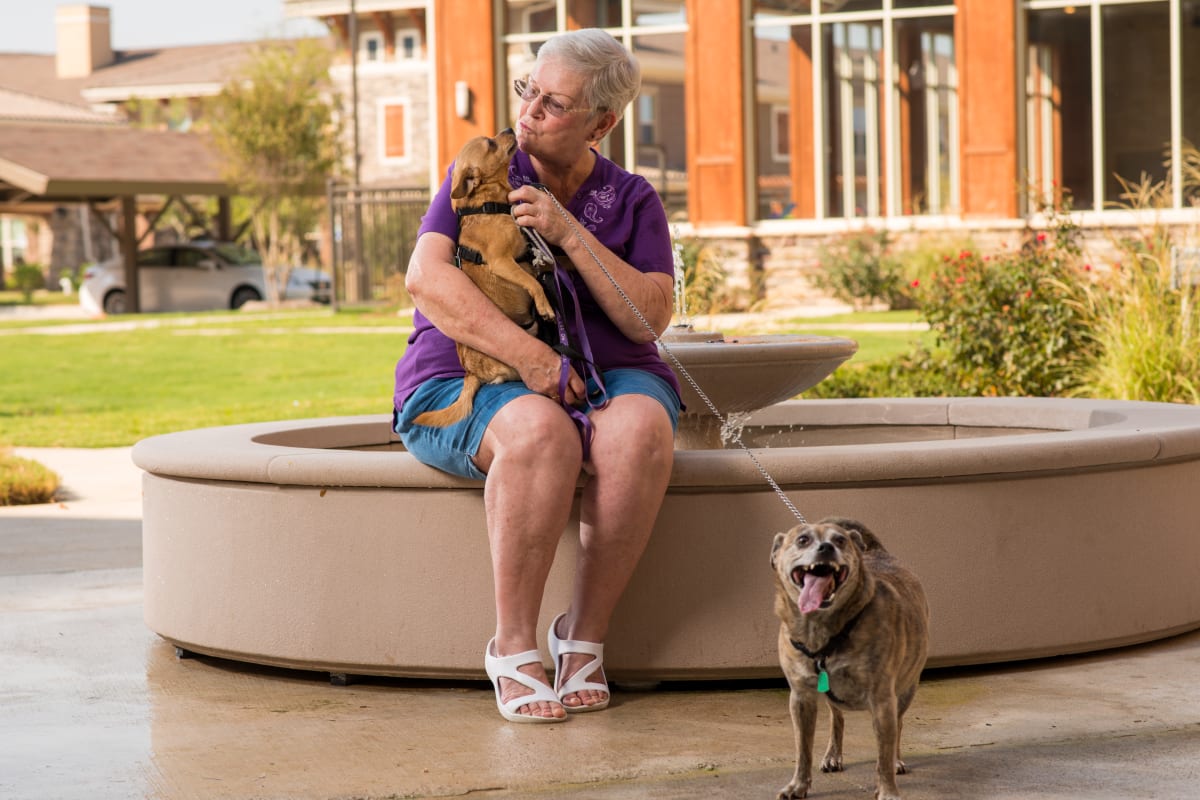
(532, 457)
(630, 467)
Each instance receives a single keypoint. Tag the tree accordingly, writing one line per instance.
(275, 127)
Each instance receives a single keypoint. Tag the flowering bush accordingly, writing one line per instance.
(858, 269)
(1011, 324)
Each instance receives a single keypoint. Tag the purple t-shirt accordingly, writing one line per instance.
(622, 211)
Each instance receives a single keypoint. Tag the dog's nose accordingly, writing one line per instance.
(506, 131)
(826, 549)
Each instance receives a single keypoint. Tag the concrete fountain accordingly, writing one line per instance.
(1040, 527)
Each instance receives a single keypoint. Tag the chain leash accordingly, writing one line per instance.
(729, 432)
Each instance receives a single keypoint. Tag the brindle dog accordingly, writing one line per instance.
(854, 626)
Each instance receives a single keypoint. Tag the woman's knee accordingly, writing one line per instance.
(637, 428)
(535, 429)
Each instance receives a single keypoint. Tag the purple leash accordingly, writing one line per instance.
(542, 258)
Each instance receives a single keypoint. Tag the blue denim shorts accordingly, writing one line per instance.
(453, 447)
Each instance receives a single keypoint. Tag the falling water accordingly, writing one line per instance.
(681, 311)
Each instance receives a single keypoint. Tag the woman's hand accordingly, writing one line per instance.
(541, 369)
(533, 208)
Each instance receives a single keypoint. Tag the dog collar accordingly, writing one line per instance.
(486, 208)
(821, 656)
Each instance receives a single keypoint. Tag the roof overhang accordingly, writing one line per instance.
(77, 163)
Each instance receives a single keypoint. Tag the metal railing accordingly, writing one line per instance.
(374, 231)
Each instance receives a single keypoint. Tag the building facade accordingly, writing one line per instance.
(780, 123)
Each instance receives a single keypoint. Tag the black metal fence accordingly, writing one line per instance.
(374, 230)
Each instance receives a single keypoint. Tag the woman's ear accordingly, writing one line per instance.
(603, 124)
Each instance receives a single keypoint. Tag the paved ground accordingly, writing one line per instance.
(93, 705)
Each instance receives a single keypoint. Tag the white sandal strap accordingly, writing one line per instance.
(507, 667)
(578, 682)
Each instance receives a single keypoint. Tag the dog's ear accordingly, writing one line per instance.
(777, 546)
(856, 537)
(463, 182)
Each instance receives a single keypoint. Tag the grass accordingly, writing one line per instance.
(110, 388)
(41, 297)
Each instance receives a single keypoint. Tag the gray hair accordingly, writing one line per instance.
(612, 76)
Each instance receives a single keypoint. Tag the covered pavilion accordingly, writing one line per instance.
(110, 167)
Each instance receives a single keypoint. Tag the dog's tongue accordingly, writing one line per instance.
(813, 593)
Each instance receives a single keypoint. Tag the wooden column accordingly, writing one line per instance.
(984, 34)
(464, 26)
(800, 92)
(716, 108)
(129, 246)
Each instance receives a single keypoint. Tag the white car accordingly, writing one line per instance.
(193, 277)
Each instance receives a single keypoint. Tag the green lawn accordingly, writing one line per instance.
(111, 388)
(108, 388)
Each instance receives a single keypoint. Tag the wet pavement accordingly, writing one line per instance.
(94, 705)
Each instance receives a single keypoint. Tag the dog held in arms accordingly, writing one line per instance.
(489, 245)
(854, 626)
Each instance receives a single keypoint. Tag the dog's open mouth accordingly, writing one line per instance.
(818, 584)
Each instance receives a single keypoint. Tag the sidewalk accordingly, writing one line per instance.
(96, 706)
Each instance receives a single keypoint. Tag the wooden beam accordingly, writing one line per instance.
(987, 69)
(715, 100)
(129, 241)
(383, 19)
(340, 25)
(800, 131)
(461, 21)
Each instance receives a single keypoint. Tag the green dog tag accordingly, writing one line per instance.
(823, 681)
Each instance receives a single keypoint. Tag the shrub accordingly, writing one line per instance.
(918, 374)
(1012, 324)
(28, 278)
(859, 270)
(25, 482)
(703, 288)
(1146, 332)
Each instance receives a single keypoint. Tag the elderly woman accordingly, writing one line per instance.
(520, 439)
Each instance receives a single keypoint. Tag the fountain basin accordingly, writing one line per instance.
(1039, 527)
(742, 374)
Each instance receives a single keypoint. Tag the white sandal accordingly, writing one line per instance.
(506, 667)
(577, 682)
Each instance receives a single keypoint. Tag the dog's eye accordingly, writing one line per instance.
(804, 540)
(839, 541)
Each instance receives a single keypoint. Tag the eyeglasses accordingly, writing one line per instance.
(526, 91)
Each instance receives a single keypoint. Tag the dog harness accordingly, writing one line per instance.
(821, 656)
(553, 278)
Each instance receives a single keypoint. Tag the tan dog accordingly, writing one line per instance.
(480, 177)
(854, 625)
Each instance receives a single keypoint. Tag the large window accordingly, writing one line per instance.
(1112, 102)
(867, 97)
(653, 30)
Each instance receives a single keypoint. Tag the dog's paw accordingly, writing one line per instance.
(831, 763)
(794, 791)
(880, 794)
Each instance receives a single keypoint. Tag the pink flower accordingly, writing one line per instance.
(1041, 237)
(915, 284)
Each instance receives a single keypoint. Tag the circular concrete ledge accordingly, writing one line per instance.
(1039, 527)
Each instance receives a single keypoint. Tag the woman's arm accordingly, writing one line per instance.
(456, 306)
(651, 292)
